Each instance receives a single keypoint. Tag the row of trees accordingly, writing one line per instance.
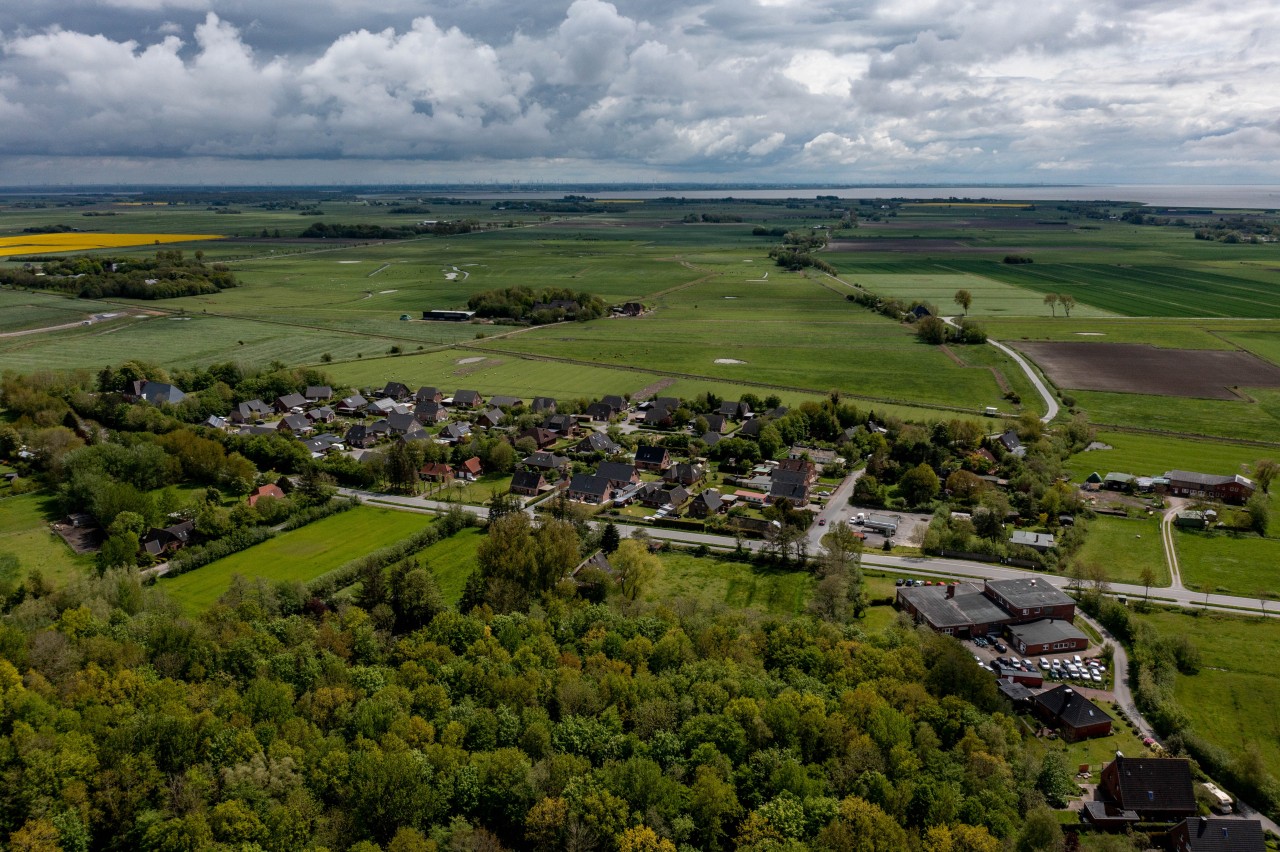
(522, 304)
(167, 275)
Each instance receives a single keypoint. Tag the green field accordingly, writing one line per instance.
(1233, 700)
(1123, 547)
(300, 555)
(1251, 421)
(24, 532)
(1239, 564)
(991, 297)
(1153, 455)
(719, 583)
(452, 560)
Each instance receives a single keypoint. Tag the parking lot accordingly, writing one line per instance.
(1086, 669)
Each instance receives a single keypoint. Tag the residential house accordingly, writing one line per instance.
(455, 433)
(360, 436)
(490, 419)
(157, 393)
(655, 459)
(1011, 443)
(1213, 834)
(467, 399)
(428, 394)
(158, 541)
(597, 442)
(711, 438)
(658, 417)
(795, 493)
(396, 390)
(751, 429)
(590, 488)
(655, 496)
(542, 438)
(799, 464)
(528, 483)
(213, 421)
(295, 424)
(290, 402)
(706, 504)
(257, 429)
(734, 410)
(469, 470)
(715, 422)
(564, 425)
(618, 473)
(318, 393)
(251, 411)
(600, 412)
(436, 472)
(617, 403)
(429, 413)
(1157, 789)
(684, 473)
(269, 490)
(323, 414)
(1229, 489)
(546, 461)
(1074, 716)
(543, 405)
(352, 405)
(506, 402)
(321, 444)
(631, 309)
(381, 407)
(405, 426)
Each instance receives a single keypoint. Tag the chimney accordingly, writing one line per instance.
(951, 590)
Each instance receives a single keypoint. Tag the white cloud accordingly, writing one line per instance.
(822, 90)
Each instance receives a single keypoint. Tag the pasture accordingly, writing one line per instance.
(1229, 563)
(1124, 547)
(718, 583)
(1255, 420)
(991, 297)
(1231, 701)
(297, 556)
(1152, 455)
(452, 560)
(24, 532)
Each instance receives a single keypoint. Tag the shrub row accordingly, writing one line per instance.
(200, 555)
(311, 514)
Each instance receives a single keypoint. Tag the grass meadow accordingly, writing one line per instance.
(24, 532)
(452, 560)
(1238, 564)
(1231, 702)
(299, 555)
(719, 583)
(1124, 547)
(1152, 455)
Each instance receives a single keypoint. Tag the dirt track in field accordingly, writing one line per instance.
(1138, 368)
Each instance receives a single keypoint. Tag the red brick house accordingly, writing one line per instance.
(1071, 714)
(268, 490)
(1158, 789)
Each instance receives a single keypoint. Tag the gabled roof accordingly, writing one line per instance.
(354, 401)
(455, 431)
(619, 472)
(1207, 480)
(614, 401)
(396, 389)
(297, 422)
(715, 422)
(471, 465)
(403, 423)
(545, 460)
(589, 483)
(268, 490)
(646, 454)
(543, 403)
(711, 438)
(796, 492)
(428, 394)
(1155, 783)
(157, 393)
(316, 392)
(710, 498)
(1209, 834)
(467, 397)
(506, 401)
(559, 422)
(529, 480)
(1072, 708)
(598, 442)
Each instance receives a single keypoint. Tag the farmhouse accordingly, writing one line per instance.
(1157, 789)
(1073, 715)
(1211, 834)
(1228, 489)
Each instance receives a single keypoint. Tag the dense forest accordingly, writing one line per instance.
(168, 275)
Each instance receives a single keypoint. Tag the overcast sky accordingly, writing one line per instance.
(841, 91)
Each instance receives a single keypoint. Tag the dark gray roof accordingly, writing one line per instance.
(1071, 707)
(529, 479)
(711, 438)
(969, 606)
(546, 460)
(318, 392)
(1045, 631)
(650, 455)
(1029, 592)
(1013, 691)
(505, 401)
(466, 397)
(1155, 783)
(614, 401)
(161, 392)
(619, 472)
(598, 442)
(543, 403)
(589, 483)
(1205, 479)
(1208, 834)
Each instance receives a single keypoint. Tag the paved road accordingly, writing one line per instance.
(1050, 401)
(47, 328)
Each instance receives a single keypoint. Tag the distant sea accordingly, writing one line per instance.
(1247, 197)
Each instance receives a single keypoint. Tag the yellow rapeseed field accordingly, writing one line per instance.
(48, 243)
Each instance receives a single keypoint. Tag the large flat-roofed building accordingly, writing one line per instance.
(967, 609)
(957, 609)
(1046, 636)
(1030, 598)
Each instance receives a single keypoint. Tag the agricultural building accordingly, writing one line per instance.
(448, 316)
(1228, 489)
(1071, 714)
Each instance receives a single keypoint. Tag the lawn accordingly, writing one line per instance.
(1123, 547)
(452, 560)
(1239, 564)
(300, 555)
(474, 493)
(714, 582)
(1234, 700)
(24, 532)
(1153, 455)
(1100, 750)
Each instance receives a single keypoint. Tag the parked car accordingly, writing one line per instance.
(1044, 663)
(1001, 647)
